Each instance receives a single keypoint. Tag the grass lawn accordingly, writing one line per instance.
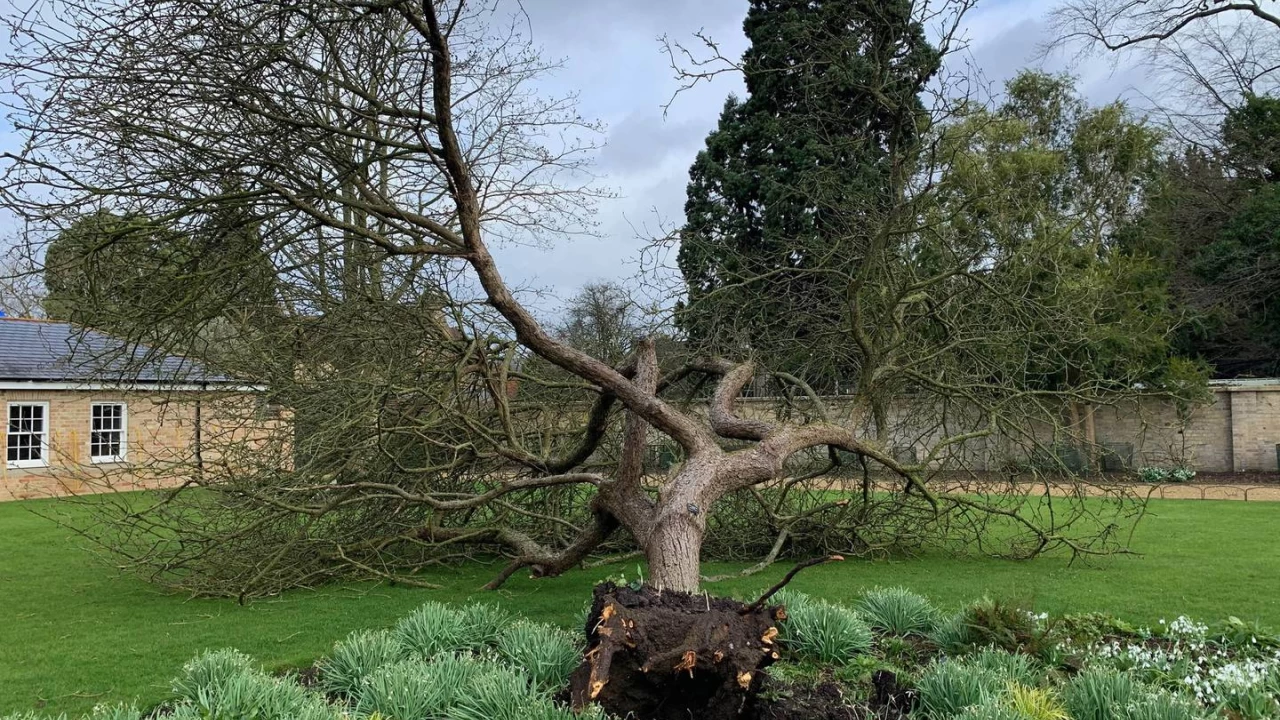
(74, 633)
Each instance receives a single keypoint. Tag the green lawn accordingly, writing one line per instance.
(74, 633)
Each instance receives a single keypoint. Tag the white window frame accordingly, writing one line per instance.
(124, 433)
(44, 435)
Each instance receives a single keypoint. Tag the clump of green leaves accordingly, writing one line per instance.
(1005, 625)
(482, 624)
(898, 611)
(1085, 628)
(547, 654)
(1151, 474)
(209, 670)
(405, 690)
(459, 670)
(1244, 635)
(1162, 705)
(1010, 667)
(431, 629)
(948, 687)
(951, 633)
(356, 658)
(1253, 702)
(255, 696)
(1099, 694)
(822, 631)
(502, 694)
(1035, 703)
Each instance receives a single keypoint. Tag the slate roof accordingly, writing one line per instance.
(39, 350)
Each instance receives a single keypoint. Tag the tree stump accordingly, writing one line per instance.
(663, 655)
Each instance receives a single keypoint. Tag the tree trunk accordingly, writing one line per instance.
(1091, 441)
(674, 550)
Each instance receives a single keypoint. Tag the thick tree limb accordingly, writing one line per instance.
(682, 428)
(625, 496)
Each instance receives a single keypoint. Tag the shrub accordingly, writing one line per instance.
(1099, 694)
(356, 658)
(482, 624)
(210, 669)
(822, 631)
(1035, 703)
(431, 688)
(431, 629)
(1245, 635)
(948, 687)
(1182, 474)
(1010, 667)
(1086, 628)
(792, 600)
(898, 611)
(405, 690)
(546, 654)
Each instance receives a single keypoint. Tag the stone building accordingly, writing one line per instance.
(84, 410)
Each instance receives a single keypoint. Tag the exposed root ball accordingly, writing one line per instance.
(672, 655)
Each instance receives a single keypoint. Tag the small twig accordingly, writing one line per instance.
(760, 601)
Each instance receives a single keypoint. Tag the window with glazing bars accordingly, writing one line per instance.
(27, 440)
(107, 432)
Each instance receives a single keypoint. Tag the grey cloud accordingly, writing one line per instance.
(643, 140)
(1005, 54)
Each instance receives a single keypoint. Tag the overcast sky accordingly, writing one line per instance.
(613, 60)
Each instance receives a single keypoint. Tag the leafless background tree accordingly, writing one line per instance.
(1205, 56)
(21, 291)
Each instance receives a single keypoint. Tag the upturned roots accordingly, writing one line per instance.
(657, 655)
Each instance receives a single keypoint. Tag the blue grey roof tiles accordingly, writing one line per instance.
(38, 350)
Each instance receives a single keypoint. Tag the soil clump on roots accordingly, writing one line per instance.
(664, 655)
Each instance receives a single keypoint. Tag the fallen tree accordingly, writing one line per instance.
(377, 149)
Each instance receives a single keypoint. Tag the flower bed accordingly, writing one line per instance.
(891, 655)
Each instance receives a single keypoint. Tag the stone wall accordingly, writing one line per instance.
(1236, 431)
(1255, 429)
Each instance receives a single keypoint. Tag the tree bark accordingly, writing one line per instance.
(674, 552)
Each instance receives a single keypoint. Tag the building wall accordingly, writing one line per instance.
(160, 441)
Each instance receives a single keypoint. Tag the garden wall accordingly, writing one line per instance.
(1236, 431)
